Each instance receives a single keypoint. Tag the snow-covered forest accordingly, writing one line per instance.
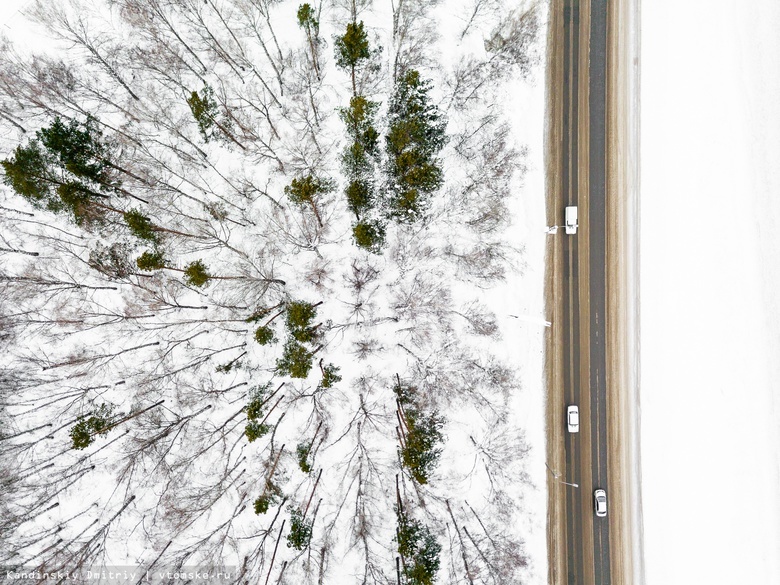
(244, 256)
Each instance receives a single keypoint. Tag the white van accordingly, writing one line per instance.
(571, 220)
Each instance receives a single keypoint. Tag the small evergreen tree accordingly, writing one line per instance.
(359, 121)
(270, 497)
(196, 273)
(300, 533)
(255, 430)
(420, 451)
(258, 315)
(306, 191)
(352, 48)
(419, 549)
(265, 335)
(205, 110)
(420, 454)
(257, 399)
(296, 360)
(369, 235)
(27, 173)
(359, 199)
(84, 431)
(299, 316)
(141, 226)
(302, 451)
(330, 376)
(415, 137)
(307, 20)
(150, 261)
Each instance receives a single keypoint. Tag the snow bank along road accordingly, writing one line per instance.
(585, 349)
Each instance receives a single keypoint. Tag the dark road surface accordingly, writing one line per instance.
(580, 516)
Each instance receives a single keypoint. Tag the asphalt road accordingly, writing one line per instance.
(597, 236)
(584, 300)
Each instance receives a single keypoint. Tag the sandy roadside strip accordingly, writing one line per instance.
(556, 544)
(556, 536)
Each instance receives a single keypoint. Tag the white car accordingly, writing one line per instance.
(571, 220)
(600, 503)
(573, 418)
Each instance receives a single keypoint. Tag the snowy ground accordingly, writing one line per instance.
(710, 308)
(520, 339)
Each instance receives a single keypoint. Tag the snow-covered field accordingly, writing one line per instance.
(710, 276)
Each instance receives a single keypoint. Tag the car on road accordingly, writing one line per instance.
(571, 220)
(600, 503)
(573, 418)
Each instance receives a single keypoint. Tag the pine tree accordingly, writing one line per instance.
(307, 20)
(265, 335)
(296, 360)
(302, 452)
(306, 191)
(369, 235)
(204, 109)
(65, 169)
(257, 398)
(270, 497)
(419, 550)
(359, 121)
(141, 226)
(298, 320)
(27, 173)
(359, 199)
(420, 452)
(352, 48)
(421, 434)
(415, 137)
(300, 533)
(255, 430)
(84, 432)
(79, 149)
(196, 273)
(150, 261)
(330, 376)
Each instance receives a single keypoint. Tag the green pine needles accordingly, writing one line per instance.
(296, 360)
(83, 433)
(415, 137)
(419, 550)
(421, 435)
(205, 110)
(196, 273)
(300, 533)
(66, 168)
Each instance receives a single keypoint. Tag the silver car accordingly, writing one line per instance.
(600, 502)
(573, 418)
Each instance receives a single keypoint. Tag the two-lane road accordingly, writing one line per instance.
(580, 89)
